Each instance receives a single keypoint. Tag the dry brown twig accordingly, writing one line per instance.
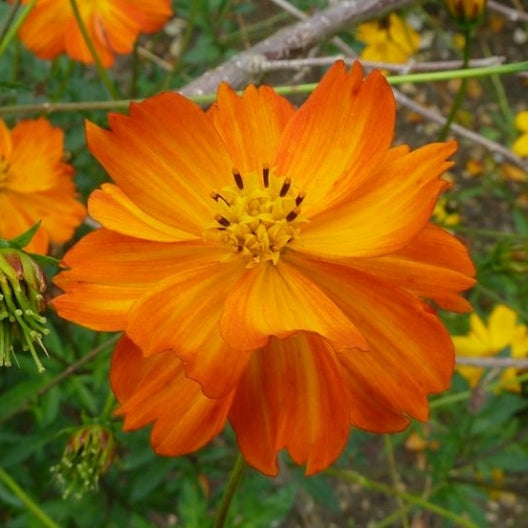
(239, 70)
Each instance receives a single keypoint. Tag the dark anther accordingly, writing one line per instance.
(238, 179)
(299, 199)
(222, 220)
(292, 215)
(215, 196)
(265, 176)
(285, 187)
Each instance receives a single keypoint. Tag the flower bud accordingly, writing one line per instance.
(88, 454)
(22, 284)
(467, 12)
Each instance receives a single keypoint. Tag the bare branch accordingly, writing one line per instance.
(299, 36)
(492, 362)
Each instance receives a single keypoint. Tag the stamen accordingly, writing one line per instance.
(215, 196)
(285, 187)
(293, 214)
(222, 220)
(238, 179)
(265, 176)
(299, 199)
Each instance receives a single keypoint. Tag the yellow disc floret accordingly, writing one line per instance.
(257, 217)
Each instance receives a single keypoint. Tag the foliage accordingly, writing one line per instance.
(470, 466)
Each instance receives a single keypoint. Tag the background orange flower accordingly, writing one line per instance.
(36, 185)
(269, 266)
(113, 26)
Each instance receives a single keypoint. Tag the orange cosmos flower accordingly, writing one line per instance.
(36, 185)
(269, 267)
(113, 26)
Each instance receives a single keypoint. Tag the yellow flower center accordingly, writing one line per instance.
(257, 217)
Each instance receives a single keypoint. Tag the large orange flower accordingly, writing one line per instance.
(113, 25)
(269, 267)
(36, 185)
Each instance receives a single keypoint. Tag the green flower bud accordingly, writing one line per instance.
(22, 285)
(89, 453)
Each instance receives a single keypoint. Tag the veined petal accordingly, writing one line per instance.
(109, 272)
(435, 266)
(292, 396)
(14, 221)
(114, 210)
(279, 301)
(250, 125)
(387, 212)
(183, 313)
(410, 353)
(35, 31)
(155, 389)
(6, 144)
(167, 158)
(335, 139)
(100, 307)
(57, 209)
(36, 159)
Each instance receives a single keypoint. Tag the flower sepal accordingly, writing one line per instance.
(22, 287)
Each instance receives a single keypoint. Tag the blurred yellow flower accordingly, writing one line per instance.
(446, 213)
(392, 40)
(520, 146)
(501, 332)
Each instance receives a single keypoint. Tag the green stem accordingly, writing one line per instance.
(98, 64)
(461, 95)
(11, 30)
(26, 500)
(353, 476)
(234, 479)
(389, 450)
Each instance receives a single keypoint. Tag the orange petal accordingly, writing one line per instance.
(435, 266)
(109, 272)
(279, 301)
(183, 313)
(292, 396)
(14, 221)
(38, 149)
(336, 137)
(387, 211)
(6, 145)
(43, 30)
(250, 125)
(155, 389)
(114, 210)
(167, 158)
(410, 353)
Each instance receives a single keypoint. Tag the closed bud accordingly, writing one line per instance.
(467, 12)
(89, 452)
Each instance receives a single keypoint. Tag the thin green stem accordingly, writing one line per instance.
(357, 478)
(449, 399)
(27, 500)
(98, 64)
(461, 94)
(284, 90)
(389, 450)
(11, 30)
(229, 492)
